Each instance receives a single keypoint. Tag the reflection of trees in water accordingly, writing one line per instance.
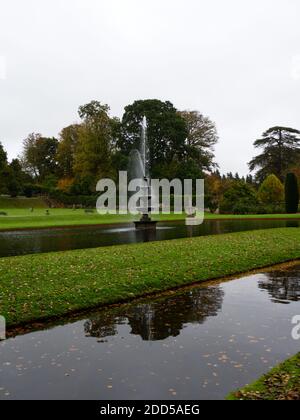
(104, 325)
(161, 318)
(282, 286)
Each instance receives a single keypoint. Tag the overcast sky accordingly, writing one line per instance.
(237, 61)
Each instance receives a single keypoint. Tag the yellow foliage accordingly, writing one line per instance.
(65, 184)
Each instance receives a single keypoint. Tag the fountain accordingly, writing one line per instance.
(142, 164)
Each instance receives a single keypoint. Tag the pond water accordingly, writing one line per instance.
(196, 343)
(61, 239)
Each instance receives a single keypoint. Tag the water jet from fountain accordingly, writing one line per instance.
(142, 171)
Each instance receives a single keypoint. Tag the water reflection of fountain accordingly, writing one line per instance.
(161, 318)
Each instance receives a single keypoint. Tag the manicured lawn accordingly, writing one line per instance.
(282, 383)
(22, 218)
(36, 287)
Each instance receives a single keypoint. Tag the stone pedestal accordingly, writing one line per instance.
(145, 223)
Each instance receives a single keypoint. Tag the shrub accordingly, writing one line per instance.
(13, 187)
(65, 184)
(240, 198)
(271, 191)
(270, 208)
(31, 190)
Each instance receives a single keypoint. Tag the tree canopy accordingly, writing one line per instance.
(281, 150)
(3, 158)
(181, 142)
(239, 198)
(68, 142)
(39, 156)
(167, 132)
(92, 155)
(201, 138)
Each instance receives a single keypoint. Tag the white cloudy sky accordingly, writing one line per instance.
(237, 61)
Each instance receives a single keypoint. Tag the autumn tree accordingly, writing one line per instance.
(92, 156)
(68, 142)
(281, 150)
(214, 190)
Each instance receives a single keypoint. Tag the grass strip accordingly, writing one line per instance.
(282, 383)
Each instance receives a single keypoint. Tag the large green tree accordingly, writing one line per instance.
(201, 139)
(39, 156)
(16, 178)
(167, 132)
(281, 150)
(12, 178)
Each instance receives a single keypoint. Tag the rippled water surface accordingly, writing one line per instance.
(62, 239)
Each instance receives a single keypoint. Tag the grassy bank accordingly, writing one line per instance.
(24, 218)
(37, 287)
(282, 383)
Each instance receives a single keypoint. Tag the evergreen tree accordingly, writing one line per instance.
(291, 193)
(281, 150)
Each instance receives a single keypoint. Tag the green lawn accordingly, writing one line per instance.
(21, 203)
(19, 215)
(36, 287)
(282, 383)
(22, 218)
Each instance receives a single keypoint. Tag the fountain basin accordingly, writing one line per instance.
(144, 224)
